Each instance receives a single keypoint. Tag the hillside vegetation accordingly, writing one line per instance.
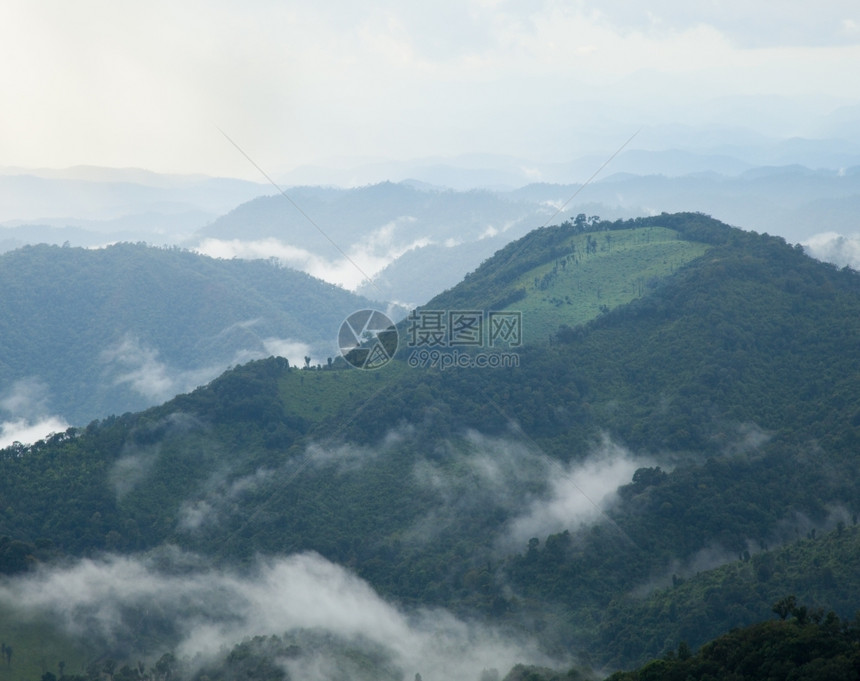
(89, 333)
(578, 272)
(803, 644)
(713, 421)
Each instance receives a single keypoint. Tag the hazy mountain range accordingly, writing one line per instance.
(462, 341)
(649, 465)
(443, 217)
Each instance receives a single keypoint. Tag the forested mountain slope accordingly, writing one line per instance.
(717, 416)
(440, 233)
(88, 333)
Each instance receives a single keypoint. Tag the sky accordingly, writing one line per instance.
(152, 84)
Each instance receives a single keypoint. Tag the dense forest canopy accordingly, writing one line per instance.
(661, 472)
(89, 332)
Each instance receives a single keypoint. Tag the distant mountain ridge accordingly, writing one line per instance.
(102, 205)
(416, 237)
(424, 240)
(374, 226)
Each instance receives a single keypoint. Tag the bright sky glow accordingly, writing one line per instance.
(146, 84)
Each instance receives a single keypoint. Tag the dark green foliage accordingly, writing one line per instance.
(85, 324)
(699, 606)
(824, 649)
(530, 673)
(258, 659)
(15, 556)
(267, 658)
(736, 376)
(119, 483)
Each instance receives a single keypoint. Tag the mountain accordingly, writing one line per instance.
(791, 201)
(458, 520)
(373, 226)
(407, 241)
(411, 241)
(86, 333)
(347, 214)
(100, 205)
(569, 274)
(670, 150)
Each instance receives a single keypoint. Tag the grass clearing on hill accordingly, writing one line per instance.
(602, 271)
(37, 648)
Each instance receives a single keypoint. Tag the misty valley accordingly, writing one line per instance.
(664, 485)
(462, 340)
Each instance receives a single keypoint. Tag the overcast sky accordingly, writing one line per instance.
(148, 84)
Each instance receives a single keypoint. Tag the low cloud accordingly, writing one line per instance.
(27, 432)
(137, 461)
(840, 249)
(476, 476)
(27, 414)
(741, 440)
(796, 525)
(293, 350)
(132, 363)
(345, 456)
(140, 368)
(223, 493)
(25, 396)
(375, 252)
(132, 468)
(540, 495)
(221, 496)
(578, 492)
(202, 612)
(481, 471)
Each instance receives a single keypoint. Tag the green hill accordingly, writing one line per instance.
(38, 647)
(570, 274)
(87, 333)
(722, 405)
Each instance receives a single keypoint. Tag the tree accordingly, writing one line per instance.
(165, 666)
(785, 606)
